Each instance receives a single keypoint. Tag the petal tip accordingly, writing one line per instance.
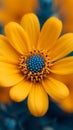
(14, 97)
(55, 20)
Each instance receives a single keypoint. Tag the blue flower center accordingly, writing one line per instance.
(35, 63)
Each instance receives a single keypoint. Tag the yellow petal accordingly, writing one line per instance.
(63, 47)
(37, 100)
(9, 74)
(56, 89)
(67, 79)
(67, 104)
(20, 7)
(20, 91)
(64, 66)
(4, 17)
(49, 33)
(31, 25)
(18, 37)
(7, 52)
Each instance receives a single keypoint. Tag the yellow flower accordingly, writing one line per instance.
(15, 9)
(29, 59)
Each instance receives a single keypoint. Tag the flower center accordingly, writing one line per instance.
(35, 63)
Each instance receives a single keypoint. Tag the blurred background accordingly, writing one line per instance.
(15, 116)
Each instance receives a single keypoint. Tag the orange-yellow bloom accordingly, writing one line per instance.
(15, 9)
(65, 11)
(29, 59)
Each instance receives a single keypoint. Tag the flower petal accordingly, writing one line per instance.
(20, 91)
(37, 100)
(49, 34)
(64, 66)
(31, 25)
(67, 104)
(9, 75)
(7, 52)
(18, 37)
(4, 16)
(56, 89)
(63, 47)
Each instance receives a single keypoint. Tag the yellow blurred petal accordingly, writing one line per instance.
(64, 66)
(7, 52)
(49, 33)
(20, 91)
(4, 17)
(67, 104)
(20, 7)
(18, 37)
(31, 25)
(9, 74)
(37, 100)
(63, 47)
(56, 89)
(4, 95)
(13, 10)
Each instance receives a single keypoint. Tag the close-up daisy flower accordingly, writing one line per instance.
(30, 59)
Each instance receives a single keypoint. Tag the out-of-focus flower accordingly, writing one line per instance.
(29, 59)
(65, 9)
(67, 104)
(15, 9)
(4, 95)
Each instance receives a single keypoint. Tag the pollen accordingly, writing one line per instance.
(34, 66)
